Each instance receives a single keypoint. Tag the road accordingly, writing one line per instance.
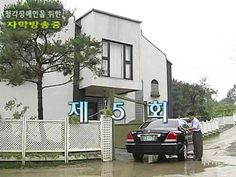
(219, 160)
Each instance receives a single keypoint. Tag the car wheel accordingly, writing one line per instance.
(162, 157)
(138, 157)
(182, 156)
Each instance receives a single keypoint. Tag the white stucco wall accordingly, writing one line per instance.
(129, 108)
(55, 100)
(153, 66)
(102, 26)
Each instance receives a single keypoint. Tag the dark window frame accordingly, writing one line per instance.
(155, 90)
(125, 62)
(107, 58)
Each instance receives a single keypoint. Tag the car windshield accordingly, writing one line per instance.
(159, 125)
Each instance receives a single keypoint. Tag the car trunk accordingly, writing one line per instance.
(150, 136)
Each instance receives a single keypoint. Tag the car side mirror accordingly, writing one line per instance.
(182, 129)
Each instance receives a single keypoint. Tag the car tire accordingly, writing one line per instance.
(182, 156)
(138, 157)
(162, 157)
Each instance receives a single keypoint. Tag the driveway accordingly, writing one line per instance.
(219, 159)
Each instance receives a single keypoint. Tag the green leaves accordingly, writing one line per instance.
(192, 97)
(198, 98)
(29, 54)
(223, 109)
(17, 108)
(231, 95)
(26, 55)
(87, 51)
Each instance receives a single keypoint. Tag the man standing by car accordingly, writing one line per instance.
(197, 137)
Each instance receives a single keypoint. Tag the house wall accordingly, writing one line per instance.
(169, 85)
(102, 26)
(153, 66)
(55, 100)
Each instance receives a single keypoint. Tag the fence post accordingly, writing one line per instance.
(23, 140)
(66, 140)
(106, 138)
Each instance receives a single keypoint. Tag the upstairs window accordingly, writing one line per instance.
(117, 60)
(155, 88)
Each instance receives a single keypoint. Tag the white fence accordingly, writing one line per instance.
(32, 136)
(217, 124)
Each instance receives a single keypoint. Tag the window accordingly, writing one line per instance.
(157, 124)
(155, 88)
(117, 60)
(105, 58)
(92, 110)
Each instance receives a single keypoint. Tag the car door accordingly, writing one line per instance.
(188, 136)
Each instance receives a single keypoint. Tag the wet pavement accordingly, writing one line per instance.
(219, 160)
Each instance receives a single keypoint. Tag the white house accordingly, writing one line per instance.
(133, 68)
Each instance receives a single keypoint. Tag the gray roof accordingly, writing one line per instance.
(109, 14)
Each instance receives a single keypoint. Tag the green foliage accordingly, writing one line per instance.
(17, 108)
(9, 155)
(198, 98)
(73, 119)
(107, 112)
(26, 55)
(43, 155)
(192, 97)
(223, 108)
(85, 155)
(231, 95)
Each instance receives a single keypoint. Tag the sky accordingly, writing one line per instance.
(198, 36)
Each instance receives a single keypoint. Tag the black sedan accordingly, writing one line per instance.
(158, 138)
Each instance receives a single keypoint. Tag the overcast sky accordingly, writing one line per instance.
(198, 36)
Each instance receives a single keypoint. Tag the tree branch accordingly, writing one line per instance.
(82, 67)
(29, 80)
(51, 71)
(24, 60)
(60, 84)
(54, 57)
(36, 48)
(45, 45)
(52, 66)
(10, 64)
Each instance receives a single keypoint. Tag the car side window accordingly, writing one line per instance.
(180, 127)
(185, 126)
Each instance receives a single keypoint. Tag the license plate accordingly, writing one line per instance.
(148, 138)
